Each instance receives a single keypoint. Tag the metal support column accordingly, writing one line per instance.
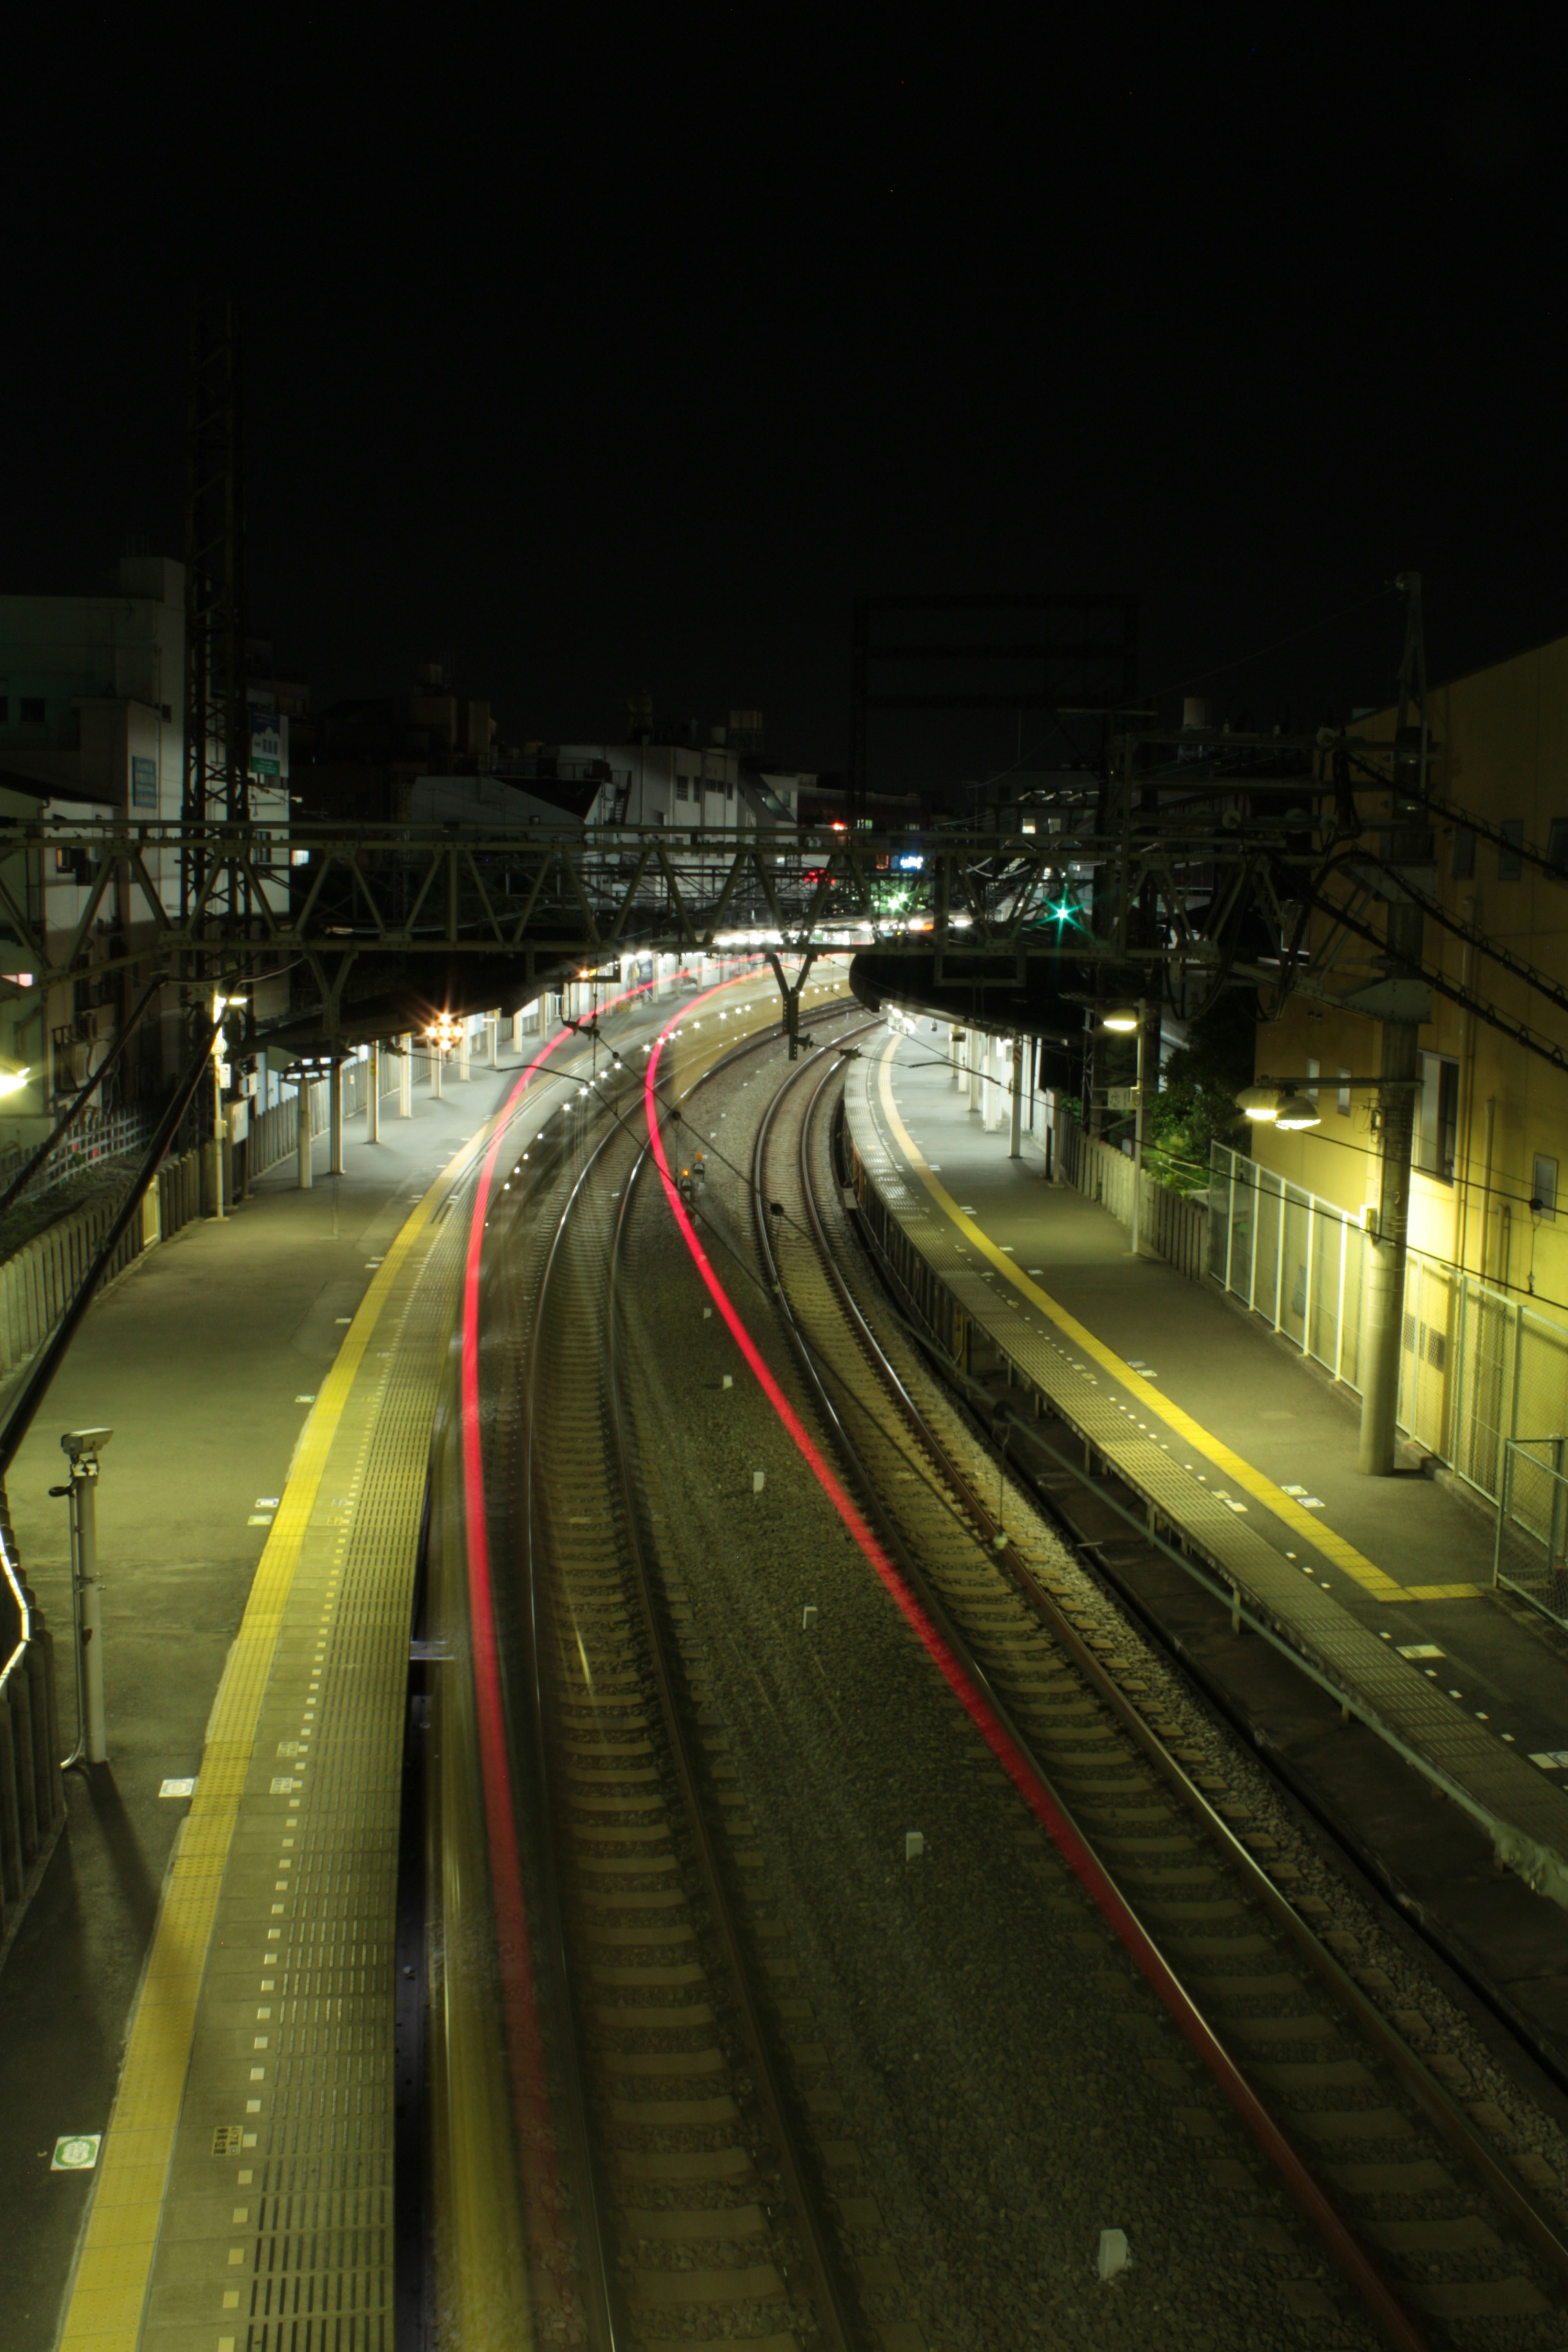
(303, 1131)
(373, 1106)
(1140, 1124)
(1405, 1002)
(492, 1038)
(406, 1076)
(1016, 1123)
(335, 1121)
(463, 1051)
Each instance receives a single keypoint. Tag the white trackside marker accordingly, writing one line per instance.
(1113, 2254)
(809, 1617)
(914, 1845)
(759, 1479)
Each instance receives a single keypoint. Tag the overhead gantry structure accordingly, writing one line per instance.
(1194, 860)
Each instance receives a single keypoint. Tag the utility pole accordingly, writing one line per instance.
(1403, 1000)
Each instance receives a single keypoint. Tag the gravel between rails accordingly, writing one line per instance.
(683, 2165)
(994, 2081)
(1379, 1951)
(1473, 2284)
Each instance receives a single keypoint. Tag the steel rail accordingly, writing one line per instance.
(609, 2328)
(838, 2326)
(1016, 1752)
(1437, 2101)
(598, 2285)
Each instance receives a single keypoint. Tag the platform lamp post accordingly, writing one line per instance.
(82, 1448)
(1120, 1022)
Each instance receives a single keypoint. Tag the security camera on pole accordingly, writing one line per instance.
(82, 1448)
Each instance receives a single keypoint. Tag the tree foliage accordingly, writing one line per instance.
(1197, 1102)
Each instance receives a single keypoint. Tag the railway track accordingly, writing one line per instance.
(1441, 2240)
(690, 2201)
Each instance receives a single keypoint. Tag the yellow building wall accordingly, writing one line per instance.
(1502, 743)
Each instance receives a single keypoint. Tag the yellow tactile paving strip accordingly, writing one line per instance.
(121, 2244)
(1309, 1524)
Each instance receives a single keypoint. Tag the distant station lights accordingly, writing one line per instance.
(1123, 1020)
(445, 1033)
(12, 1081)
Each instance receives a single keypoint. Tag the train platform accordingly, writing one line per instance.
(1229, 1441)
(269, 1383)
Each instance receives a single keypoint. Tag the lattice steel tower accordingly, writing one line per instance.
(217, 715)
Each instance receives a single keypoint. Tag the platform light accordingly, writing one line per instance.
(1259, 1103)
(13, 1081)
(1293, 1112)
(1123, 1020)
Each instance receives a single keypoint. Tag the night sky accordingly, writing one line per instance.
(606, 351)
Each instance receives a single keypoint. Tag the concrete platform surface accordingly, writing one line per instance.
(204, 1361)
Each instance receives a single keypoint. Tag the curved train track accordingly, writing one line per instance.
(1444, 2245)
(691, 2207)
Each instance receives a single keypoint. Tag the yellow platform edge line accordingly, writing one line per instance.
(1306, 1524)
(114, 2264)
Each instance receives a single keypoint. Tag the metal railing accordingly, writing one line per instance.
(97, 1136)
(1477, 1367)
(1530, 1555)
(32, 1792)
(1174, 1227)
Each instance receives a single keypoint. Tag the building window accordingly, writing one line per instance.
(1543, 1188)
(143, 783)
(1507, 860)
(30, 710)
(1464, 854)
(682, 789)
(1437, 1116)
(1344, 1094)
(1557, 843)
